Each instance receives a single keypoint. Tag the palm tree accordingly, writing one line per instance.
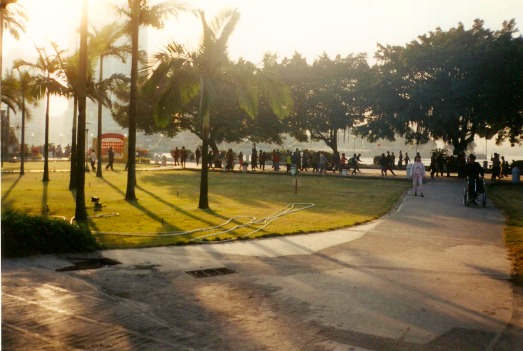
(10, 98)
(185, 77)
(140, 13)
(80, 211)
(12, 18)
(26, 83)
(46, 84)
(96, 91)
(103, 43)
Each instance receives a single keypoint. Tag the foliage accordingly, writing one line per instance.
(24, 235)
(14, 17)
(139, 13)
(46, 82)
(449, 86)
(328, 95)
(196, 80)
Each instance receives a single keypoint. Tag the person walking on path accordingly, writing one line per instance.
(400, 160)
(496, 167)
(433, 165)
(111, 159)
(418, 173)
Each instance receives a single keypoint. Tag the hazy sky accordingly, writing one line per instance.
(309, 27)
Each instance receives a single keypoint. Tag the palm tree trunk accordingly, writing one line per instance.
(81, 211)
(72, 176)
(22, 152)
(99, 141)
(46, 141)
(206, 124)
(130, 194)
(204, 180)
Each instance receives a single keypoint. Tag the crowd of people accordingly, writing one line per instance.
(292, 161)
(322, 162)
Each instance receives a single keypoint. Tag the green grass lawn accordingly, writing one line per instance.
(508, 197)
(168, 203)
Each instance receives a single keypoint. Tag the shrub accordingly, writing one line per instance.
(23, 235)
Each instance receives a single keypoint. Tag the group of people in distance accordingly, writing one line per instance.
(180, 156)
(317, 161)
(472, 171)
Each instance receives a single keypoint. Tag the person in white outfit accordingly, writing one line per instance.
(418, 173)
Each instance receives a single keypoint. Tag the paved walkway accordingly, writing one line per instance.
(434, 275)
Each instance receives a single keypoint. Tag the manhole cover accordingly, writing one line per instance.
(88, 263)
(211, 272)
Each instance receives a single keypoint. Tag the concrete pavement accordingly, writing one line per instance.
(433, 275)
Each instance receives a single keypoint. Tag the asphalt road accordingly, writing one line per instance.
(433, 275)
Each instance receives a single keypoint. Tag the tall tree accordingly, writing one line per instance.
(139, 13)
(328, 94)
(10, 98)
(12, 18)
(183, 77)
(96, 91)
(47, 68)
(451, 86)
(104, 43)
(26, 95)
(80, 210)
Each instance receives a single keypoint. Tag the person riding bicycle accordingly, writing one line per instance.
(473, 171)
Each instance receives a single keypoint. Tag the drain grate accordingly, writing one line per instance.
(211, 272)
(88, 263)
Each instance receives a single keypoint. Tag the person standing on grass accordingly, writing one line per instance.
(354, 161)
(305, 160)
(176, 155)
(240, 159)
(418, 173)
(288, 161)
(343, 161)
(262, 159)
(254, 158)
(323, 163)
(183, 156)
(111, 159)
(390, 163)
(315, 157)
(276, 160)
(383, 164)
(406, 159)
(198, 154)
(93, 160)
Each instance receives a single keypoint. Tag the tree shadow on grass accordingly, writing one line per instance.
(176, 208)
(154, 216)
(6, 195)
